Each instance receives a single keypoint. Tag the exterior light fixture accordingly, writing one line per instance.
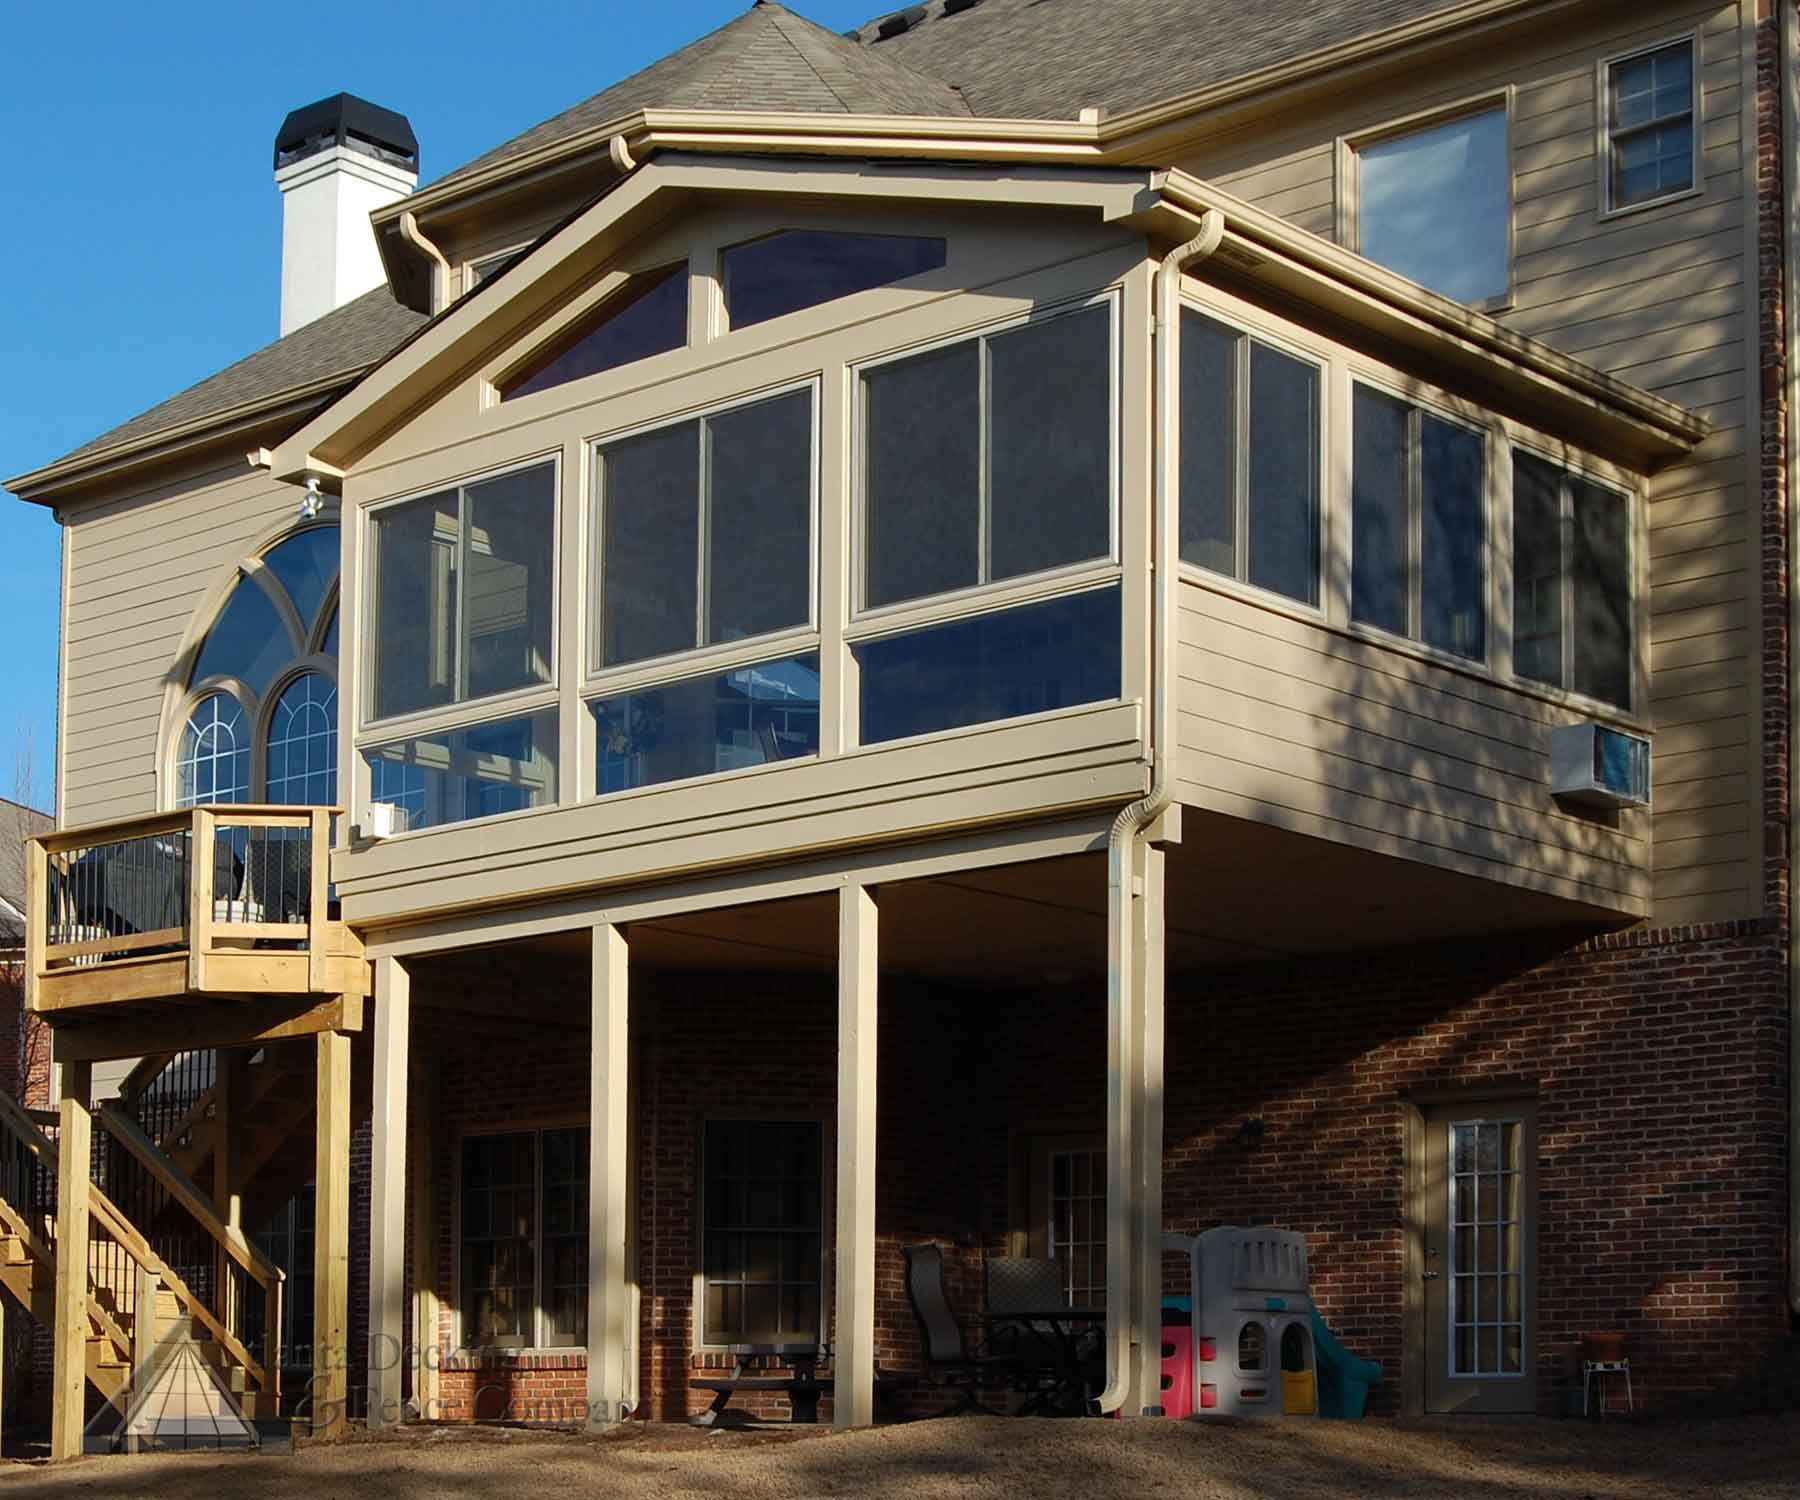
(311, 503)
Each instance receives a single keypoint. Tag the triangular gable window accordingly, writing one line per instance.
(648, 316)
(800, 268)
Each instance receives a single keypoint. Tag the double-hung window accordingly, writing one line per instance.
(763, 1215)
(462, 605)
(1651, 141)
(990, 462)
(1418, 525)
(705, 544)
(522, 1220)
(1249, 459)
(1572, 589)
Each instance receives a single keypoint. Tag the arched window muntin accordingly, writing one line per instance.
(305, 641)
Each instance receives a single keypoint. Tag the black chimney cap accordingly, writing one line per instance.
(345, 120)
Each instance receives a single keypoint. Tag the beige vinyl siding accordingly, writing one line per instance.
(1660, 298)
(1291, 723)
(141, 566)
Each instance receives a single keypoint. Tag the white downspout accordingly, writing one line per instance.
(1121, 981)
(413, 235)
(1790, 289)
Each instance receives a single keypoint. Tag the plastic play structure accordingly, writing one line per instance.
(1253, 1343)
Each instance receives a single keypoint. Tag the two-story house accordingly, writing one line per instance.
(1035, 624)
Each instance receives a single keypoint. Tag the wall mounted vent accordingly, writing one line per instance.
(382, 821)
(1594, 766)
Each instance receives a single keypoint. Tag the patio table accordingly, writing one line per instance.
(1057, 1331)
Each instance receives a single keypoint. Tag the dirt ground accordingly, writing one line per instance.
(975, 1456)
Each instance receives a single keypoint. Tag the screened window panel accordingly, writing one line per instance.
(416, 548)
(924, 475)
(248, 641)
(1379, 544)
(1050, 443)
(1537, 570)
(703, 725)
(759, 532)
(1284, 475)
(995, 666)
(1452, 600)
(1600, 570)
(1209, 443)
(649, 574)
(761, 1251)
(1435, 204)
(647, 316)
(508, 586)
(799, 268)
(306, 564)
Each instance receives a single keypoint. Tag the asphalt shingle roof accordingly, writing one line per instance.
(17, 823)
(1049, 59)
(344, 341)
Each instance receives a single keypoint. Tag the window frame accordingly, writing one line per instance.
(1603, 68)
(864, 622)
(1421, 400)
(1320, 359)
(536, 1346)
(827, 1214)
(1349, 177)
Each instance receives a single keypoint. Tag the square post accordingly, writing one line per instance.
(387, 1193)
(853, 1402)
(69, 1393)
(610, 1340)
(330, 1388)
(422, 1104)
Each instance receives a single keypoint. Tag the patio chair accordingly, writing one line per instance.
(1022, 1283)
(950, 1363)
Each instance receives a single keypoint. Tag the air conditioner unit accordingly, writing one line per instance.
(1595, 766)
(382, 821)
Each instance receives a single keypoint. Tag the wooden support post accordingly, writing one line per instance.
(68, 1407)
(1147, 1135)
(143, 1338)
(37, 923)
(610, 1341)
(202, 862)
(387, 1193)
(331, 1238)
(853, 1403)
(318, 913)
(422, 1144)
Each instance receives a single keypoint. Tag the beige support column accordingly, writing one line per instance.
(70, 1335)
(610, 1340)
(422, 1146)
(329, 1390)
(853, 1333)
(1147, 1134)
(387, 1192)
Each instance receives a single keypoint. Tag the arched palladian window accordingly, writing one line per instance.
(260, 722)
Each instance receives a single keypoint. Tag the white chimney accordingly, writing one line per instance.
(336, 162)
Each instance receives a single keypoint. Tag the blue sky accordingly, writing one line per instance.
(144, 243)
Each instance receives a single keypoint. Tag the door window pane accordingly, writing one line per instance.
(1050, 443)
(994, 666)
(702, 725)
(648, 315)
(797, 268)
(1435, 205)
(1077, 1237)
(1486, 1307)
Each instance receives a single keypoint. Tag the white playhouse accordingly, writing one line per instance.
(1250, 1348)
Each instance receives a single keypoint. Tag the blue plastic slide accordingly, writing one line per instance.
(1344, 1380)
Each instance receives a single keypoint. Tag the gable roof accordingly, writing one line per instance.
(767, 59)
(1048, 59)
(17, 823)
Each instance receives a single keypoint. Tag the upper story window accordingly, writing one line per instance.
(1572, 570)
(463, 592)
(799, 268)
(1418, 524)
(1435, 204)
(1249, 459)
(1651, 141)
(648, 315)
(261, 724)
(990, 459)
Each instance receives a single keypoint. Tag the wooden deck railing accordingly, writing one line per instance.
(117, 911)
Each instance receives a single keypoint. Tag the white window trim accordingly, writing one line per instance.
(1348, 163)
(1603, 125)
(865, 621)
(1414, 398)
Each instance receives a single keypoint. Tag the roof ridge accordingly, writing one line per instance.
(777, 13)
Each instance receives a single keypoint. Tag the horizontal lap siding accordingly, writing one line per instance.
(1294, 724)
(139, 569)
(1660, 299)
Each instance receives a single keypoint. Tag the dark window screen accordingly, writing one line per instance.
(1209, 443)
(799, 268)
(1378, 512)
(648, 315)
(1284, 475)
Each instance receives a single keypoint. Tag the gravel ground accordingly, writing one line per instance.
(973, 1456)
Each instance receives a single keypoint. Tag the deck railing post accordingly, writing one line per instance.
(201, 861)
(318, 956)
(37, 920)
